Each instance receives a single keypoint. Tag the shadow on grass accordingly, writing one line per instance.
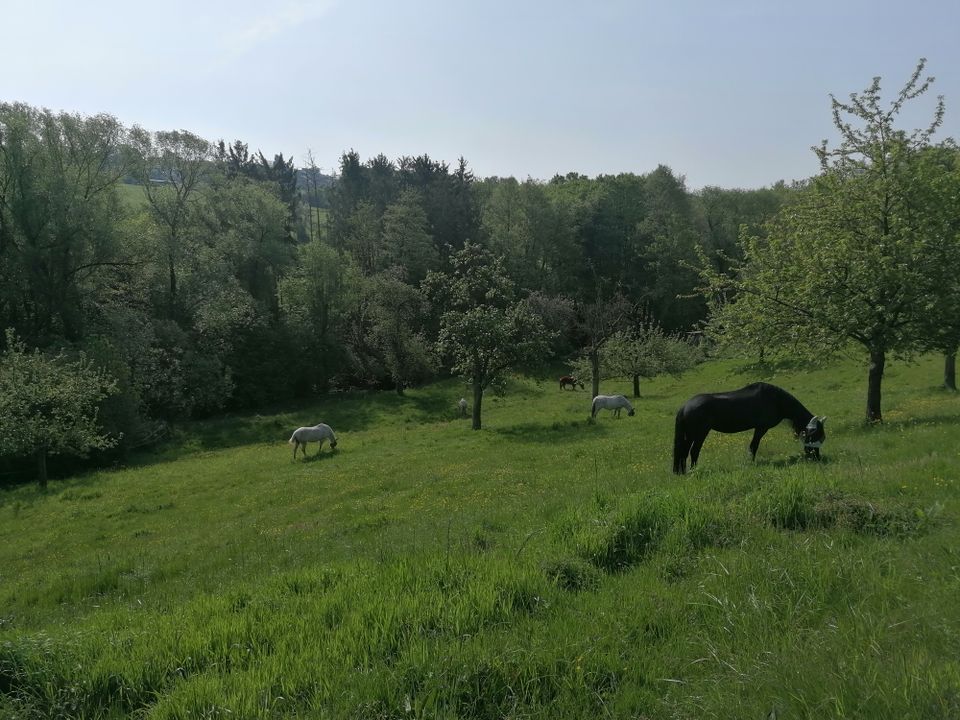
(898, 426)
(432, 407)
(346, 412)
(571, 431)
(76, 488)
(317, 457)
(793, 460)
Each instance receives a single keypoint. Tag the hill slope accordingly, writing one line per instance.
(546, 566)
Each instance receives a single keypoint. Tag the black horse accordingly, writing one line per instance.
(756, 407)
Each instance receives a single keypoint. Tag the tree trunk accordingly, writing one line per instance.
(595, 371)
(636, 386)
(42, 468)
(950, 370)
(877, 361)
(477, 401)
(173, 286)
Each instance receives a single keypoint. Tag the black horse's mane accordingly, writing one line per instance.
(795, 410)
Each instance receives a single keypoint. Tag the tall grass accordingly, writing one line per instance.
(544, 567)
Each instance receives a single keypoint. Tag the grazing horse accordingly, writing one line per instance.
(756, 407)
(462, 404)
(571, 381)
(611, 402)
(317, 433)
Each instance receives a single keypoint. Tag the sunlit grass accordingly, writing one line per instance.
(546, 566)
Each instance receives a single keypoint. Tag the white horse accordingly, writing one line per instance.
(611, 402)
(317, 433)
(462, 404)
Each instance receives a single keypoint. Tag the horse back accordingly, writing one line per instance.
(730, 412)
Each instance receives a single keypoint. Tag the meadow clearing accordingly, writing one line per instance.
(546, 566)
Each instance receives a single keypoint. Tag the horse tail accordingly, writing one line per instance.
(293, 438)
(679, 445)
(593, 408)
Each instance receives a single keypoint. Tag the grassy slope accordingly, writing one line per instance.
(543, 567)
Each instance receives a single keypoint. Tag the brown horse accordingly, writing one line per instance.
(571, 381)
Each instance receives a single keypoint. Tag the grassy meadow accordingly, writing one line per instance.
(547, 566)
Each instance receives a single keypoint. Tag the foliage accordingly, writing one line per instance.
(531, 229)
(939, 321)
(644, 351)
(59, 211)
(316, 297)
(193, 271)
(848, 261)
(48, 405)
(396, 310)
(722, 213)
(648, 351)
(407, 244)
(597, 322)
(484, 329)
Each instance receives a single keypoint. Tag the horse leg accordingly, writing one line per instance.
(755, 443)
(695, 449)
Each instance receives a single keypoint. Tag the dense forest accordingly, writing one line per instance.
(152, 277)
(202, 277)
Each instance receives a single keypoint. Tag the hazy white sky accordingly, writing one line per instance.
(725, 92)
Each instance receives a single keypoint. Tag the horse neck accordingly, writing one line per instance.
(795, 411)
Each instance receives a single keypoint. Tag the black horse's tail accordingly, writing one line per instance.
(680, 445)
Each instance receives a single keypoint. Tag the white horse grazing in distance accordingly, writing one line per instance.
(462, 404)
(317, 433)
(611, 402)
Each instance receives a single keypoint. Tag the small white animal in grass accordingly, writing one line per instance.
(318, 433)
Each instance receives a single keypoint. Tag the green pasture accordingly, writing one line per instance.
(547, 566)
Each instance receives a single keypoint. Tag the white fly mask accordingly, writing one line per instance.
(813, 435)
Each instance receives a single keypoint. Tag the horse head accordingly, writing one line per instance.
(813, 436)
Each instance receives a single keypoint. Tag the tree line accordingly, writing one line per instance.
(175, 277)
(200, 277)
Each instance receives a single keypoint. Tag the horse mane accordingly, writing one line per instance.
(795, 410)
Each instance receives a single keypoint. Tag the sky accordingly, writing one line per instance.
(730, 93)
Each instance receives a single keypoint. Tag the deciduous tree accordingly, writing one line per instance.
(848, 262)
(647, 351)
(484, 328)
(49, 404)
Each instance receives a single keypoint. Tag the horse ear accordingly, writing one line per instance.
(823, 419)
